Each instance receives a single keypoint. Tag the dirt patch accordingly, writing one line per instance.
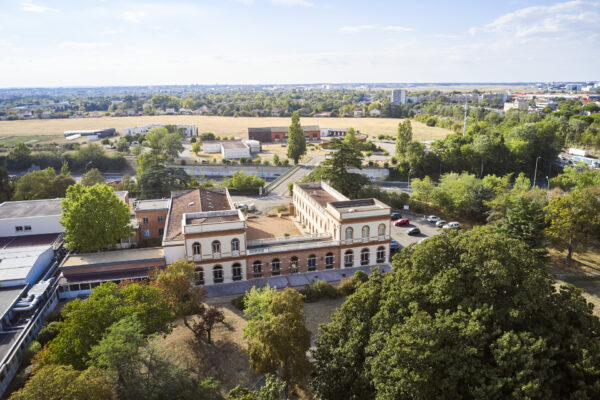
(583, 264)
(591, 290)
(270, 227)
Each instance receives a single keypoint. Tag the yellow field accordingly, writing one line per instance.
(220, 126)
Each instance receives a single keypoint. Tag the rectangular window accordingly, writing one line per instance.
(145, 220)
(18, 228)
(161, 231)
(160, 219)
(27, 227)
(147, 232)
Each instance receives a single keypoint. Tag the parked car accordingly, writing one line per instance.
(413, 231)
(451, 225)
(433, 218)
(395, 216)
(394, 246)
(440, 223)
(402, 221)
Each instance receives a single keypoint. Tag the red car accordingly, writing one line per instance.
(402, 221)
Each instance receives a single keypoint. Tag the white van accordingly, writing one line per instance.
(451, 225)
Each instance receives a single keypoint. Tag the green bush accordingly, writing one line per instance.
(239, 302)
(319, 290)
(360, 276)
(47, 333)
(30, 351)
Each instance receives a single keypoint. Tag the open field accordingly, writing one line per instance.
(220, 126)
(226, 359)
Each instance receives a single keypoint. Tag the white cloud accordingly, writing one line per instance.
(82, 45)
(396, 28)
(568, 18)
(292, 3)
(132, 16)
(247, 2)
(111, 31)
(28, 6)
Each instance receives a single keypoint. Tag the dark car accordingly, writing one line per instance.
(395, 216)
(394, 246)
(413, 231)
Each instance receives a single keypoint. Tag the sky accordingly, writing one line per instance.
(54, 43)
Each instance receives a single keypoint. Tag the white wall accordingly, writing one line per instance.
(173, 253)
(207, 170)
(235, 153)
(211, 147)
(206, 244)
(372, 254)
(39, 226)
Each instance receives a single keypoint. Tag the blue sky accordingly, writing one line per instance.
(110, 42)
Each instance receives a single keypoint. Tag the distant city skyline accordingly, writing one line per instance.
(107, 42)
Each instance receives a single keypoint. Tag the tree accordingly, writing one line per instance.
(85, 322)
(274, 389)
(123, 145)
(176, 283)
(208, 318)
(277, 336)
(572, 220)
(337, 165)
(162, 143)
(296, 140)
(20, 156)
(276, 160)
(463, 315)
(158, 181)
(44, 184)
(242, 183)
(525, 221)
(422, 189)
(197, 147)
(94, 218)
(6, 189)
(207, 136)
(92, 177)
(403, 137)
(62, 382)
(64, 170)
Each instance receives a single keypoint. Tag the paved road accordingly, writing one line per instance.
(428, 229)
(281, 187)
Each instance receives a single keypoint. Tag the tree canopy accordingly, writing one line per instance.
(94, 218)
(296, 140)
(403, 137)
(44, 184)
(461, 316)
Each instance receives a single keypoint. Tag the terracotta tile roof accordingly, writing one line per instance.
(197, 200)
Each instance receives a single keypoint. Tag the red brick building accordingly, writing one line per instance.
(279, 134)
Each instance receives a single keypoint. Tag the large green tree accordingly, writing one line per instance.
(6, 187)
(403, 137)
(62, 382)
(337, 166)
(92, 177)
(277, 336)
(463, 315)
(296, 140)
(573, 220)
(158, 181)
(44, 184)
(94, 218)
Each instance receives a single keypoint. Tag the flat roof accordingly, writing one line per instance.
(113, 257)
(234, 145)
(212, 219)
(320, 195)
(30, 208)
(16, 262)
(8, 297)
(152, 205)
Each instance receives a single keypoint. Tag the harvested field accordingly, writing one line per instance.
(220, 126)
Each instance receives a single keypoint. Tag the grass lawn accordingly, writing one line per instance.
(583, 264)
(220, 126)
(226, 359)
(13, 140)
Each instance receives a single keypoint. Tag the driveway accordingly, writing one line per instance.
(428, 229)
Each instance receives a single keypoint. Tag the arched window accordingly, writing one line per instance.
(275, 267)
(380, 255)
(196, 248)
(312, 262)
(381, 231)
(364, 257)
(236, 270)
(349, 234)
(235, 245)
(329, 261)
(199, 276)
(257, 268)
(216, 247)
(365, 233)
(348, 258)
(218, 274)
(294, 265)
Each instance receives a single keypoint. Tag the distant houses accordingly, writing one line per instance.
(190, 130)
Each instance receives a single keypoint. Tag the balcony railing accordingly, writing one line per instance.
(293, 246)
(288, 239)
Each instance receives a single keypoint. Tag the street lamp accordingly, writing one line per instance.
(547, 187)
(409, 171)
(535, 171)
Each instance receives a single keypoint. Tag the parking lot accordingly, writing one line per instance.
(427, 229)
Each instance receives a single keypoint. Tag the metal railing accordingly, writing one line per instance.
(288, 239)
(293, 246)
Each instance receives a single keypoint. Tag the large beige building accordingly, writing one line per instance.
(335, 232)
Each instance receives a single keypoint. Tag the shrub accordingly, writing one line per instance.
(347, 286)
(239, 302)
(193, 140)
(319, 290)
(47, 333)
(360, 276)
(30, 351)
